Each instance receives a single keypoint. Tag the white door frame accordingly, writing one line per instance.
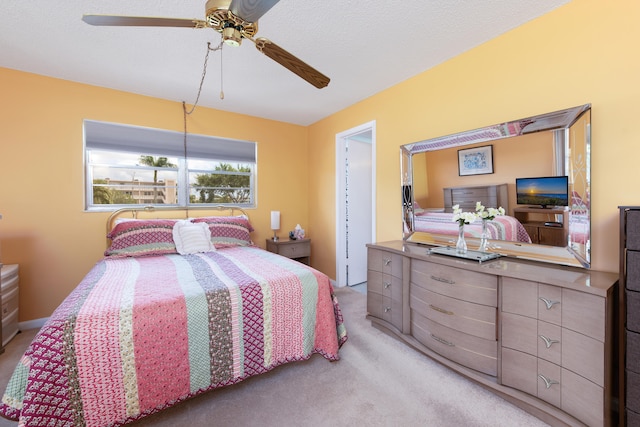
(341, 138)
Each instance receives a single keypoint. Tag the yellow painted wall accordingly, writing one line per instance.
(583, 52)
(44, 227)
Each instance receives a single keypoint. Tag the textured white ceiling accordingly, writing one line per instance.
(363, 46)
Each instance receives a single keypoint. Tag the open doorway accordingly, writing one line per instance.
(355, 202)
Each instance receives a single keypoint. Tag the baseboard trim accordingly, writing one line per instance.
(32, 324)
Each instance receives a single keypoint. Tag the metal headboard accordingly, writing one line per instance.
(134, 211)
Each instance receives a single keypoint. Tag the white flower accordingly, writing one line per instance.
(489, 213)
(462, 218)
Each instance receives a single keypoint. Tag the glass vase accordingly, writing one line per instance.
(484, 237)
(461, 244)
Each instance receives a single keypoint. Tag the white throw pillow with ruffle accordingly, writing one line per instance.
(192, 238)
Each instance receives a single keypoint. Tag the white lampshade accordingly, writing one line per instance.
(275, 220)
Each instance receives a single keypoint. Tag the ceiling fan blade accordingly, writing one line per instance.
(251, 10)
(142, 21)
(292, 63)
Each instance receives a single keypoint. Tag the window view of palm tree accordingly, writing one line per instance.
(156, 162)
(228, 184)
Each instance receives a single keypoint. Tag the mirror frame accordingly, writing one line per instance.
(574, 254)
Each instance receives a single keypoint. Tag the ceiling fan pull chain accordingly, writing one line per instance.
(221, 79)
(204, 72)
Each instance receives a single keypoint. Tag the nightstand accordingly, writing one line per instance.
(299, 250)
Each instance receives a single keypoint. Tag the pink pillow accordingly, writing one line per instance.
(141, 238)
(228, 230)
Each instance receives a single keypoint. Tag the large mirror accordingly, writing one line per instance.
(499, 166)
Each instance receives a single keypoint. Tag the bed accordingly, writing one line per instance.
(166, 316)
(500, 228)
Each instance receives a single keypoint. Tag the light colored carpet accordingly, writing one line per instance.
(378, 382)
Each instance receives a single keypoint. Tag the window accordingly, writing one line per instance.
(128, 165)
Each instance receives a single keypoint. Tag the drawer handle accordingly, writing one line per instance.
(548, 341)
(386, 285)
(441, 310)
(387, 309)
(549, 303)
(547, 382)
(443, 341)
(443, 280)
(387, 261)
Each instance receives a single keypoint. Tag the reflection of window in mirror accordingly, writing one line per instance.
(578, 185)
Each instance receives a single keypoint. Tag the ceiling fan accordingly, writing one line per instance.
(235, 20)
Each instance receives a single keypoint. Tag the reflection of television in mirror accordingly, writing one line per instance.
(545, 191)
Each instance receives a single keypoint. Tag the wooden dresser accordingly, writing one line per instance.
(545, 226)
(539, 335)
(630, 315)
(491, 196)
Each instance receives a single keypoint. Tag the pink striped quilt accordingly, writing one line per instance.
(501, 227)
(142, 334)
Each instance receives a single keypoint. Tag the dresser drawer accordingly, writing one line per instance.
(532, 336)
(633, 311)
(582, 399)
(584, 313)
(633, 270)
(633, 418)
(299, 249)
(473, 352)
(633, 391)
(519, 370)
(584, 356)
(520, 333)
(532, 375)
(550, 305)
(384, 284)
(385, 308)
(549, 382)
(385, 262)
(465, 285)
(550, 342)
(633, 351)
(473, 319)
(633, 229)
(519, 297)
(531, 299)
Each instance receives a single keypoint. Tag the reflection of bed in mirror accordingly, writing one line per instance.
(579, 219)
(501, 228)
(491, 196)
(552, 144)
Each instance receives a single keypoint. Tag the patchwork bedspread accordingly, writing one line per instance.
(501, 227)
(141, 334)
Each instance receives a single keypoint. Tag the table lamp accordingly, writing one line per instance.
(275, 223)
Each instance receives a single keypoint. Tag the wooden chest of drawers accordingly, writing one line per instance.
(539, 335)
(629, 375)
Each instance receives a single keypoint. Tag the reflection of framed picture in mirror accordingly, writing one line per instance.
(475, 161)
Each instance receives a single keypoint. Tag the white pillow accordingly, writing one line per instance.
(191, 238)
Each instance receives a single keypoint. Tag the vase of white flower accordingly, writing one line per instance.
(461, 243)
(486, 215)
(462, 218)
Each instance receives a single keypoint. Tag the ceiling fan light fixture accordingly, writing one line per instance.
(231, 36)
